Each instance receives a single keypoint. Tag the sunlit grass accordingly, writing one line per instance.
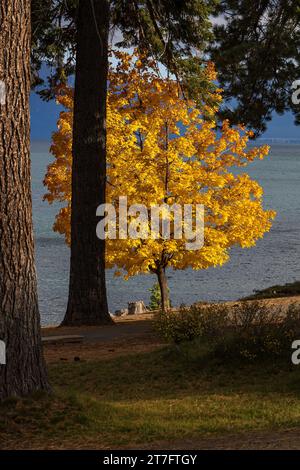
(164, 395)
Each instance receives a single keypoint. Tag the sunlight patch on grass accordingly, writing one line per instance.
(162, 395)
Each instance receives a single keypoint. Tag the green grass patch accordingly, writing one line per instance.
(168, 394)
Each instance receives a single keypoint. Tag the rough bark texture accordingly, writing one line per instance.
(87, 304)
(25, 370)
(164, 291)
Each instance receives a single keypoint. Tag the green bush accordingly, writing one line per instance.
(248, 330)
(155, 297)
(190, 323)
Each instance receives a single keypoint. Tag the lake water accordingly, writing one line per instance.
(275, 259)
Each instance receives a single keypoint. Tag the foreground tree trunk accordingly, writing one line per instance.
(87, 304)
(24, 371)
(164, 291)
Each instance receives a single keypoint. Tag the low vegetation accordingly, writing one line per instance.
(286, 290)
(246, 330)
(179, 391)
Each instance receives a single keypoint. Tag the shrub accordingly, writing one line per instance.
(248, 330)
(190, 323)
(155, 297)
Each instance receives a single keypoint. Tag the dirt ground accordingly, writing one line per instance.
(129, 335)
(275, 440)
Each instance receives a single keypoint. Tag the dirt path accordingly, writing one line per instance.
(127, 336)
(288, 439)
(122, 329)
(272, 440)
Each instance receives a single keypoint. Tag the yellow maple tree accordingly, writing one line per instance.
(161, 150)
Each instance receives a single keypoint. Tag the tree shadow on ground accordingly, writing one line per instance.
(167, 394)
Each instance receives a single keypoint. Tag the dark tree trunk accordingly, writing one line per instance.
(25, 370)
(87, 304)
(164, 291)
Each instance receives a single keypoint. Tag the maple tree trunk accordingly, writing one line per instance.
(87, 303)
(164, 291)
(25, 370)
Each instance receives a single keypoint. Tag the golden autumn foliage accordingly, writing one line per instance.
(161, 150)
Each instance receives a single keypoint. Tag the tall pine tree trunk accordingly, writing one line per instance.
(164, 291)
(25, 370)
(87, 304)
